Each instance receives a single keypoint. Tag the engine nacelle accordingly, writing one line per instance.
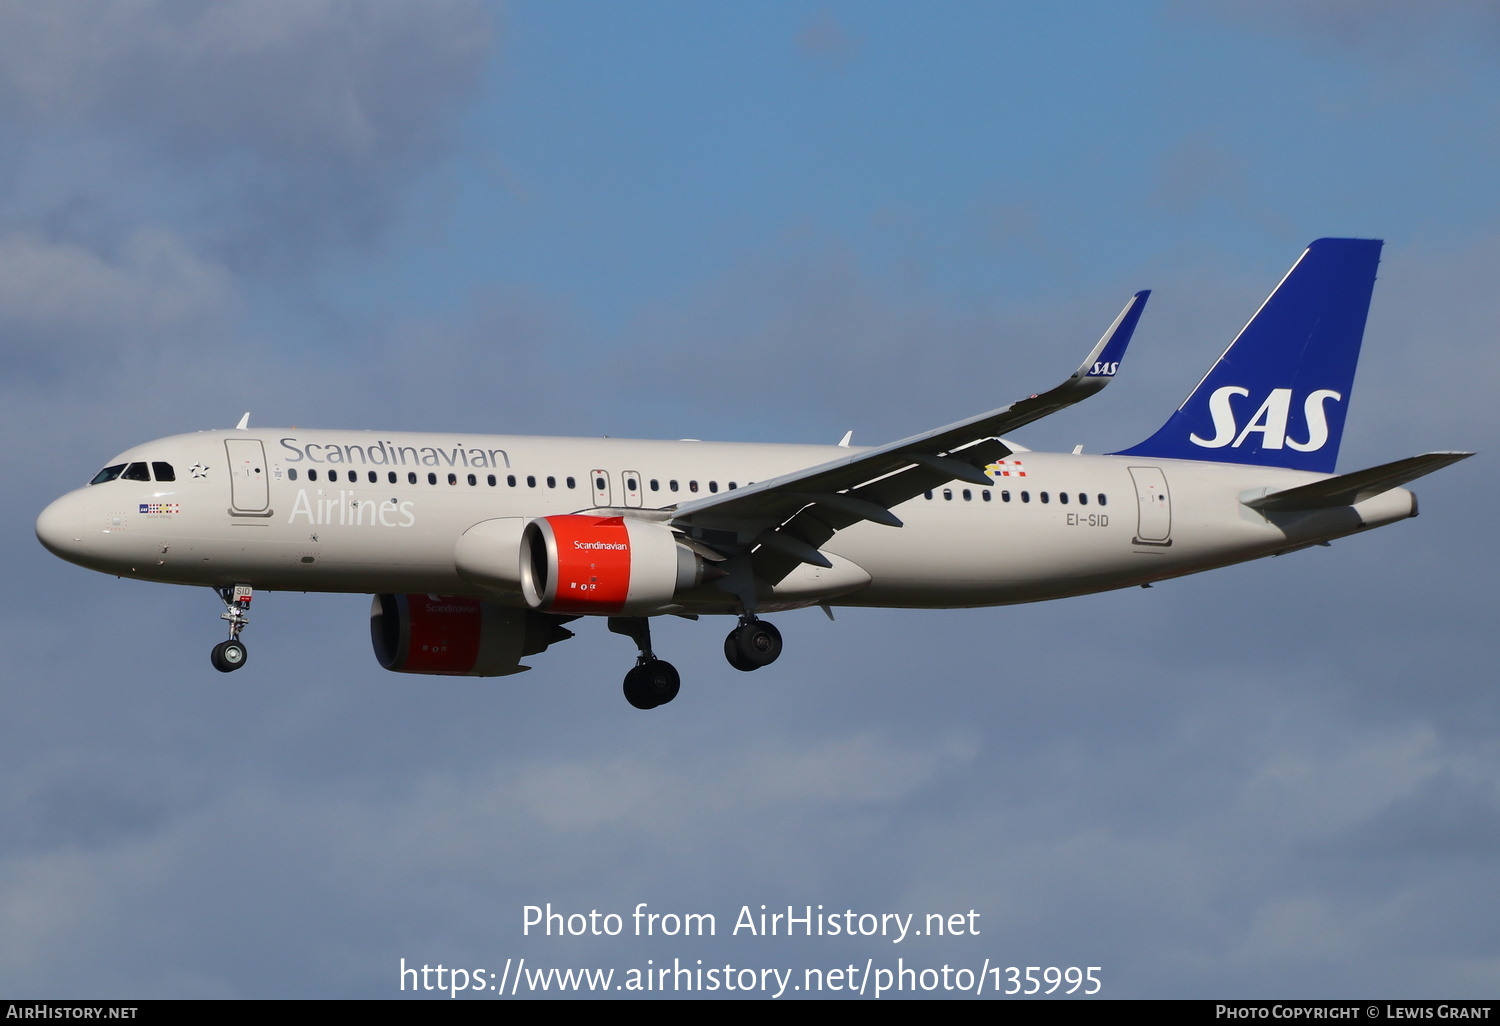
(489, 554)
(457, 636)
(610, 566)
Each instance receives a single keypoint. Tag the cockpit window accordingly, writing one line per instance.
(136, 472)
(163, 471)
(108, 474)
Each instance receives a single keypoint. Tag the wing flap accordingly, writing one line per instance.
(817, 522)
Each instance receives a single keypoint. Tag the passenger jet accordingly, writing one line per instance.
(478, 549)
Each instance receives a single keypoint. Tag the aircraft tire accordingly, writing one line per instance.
(228, 656)
(732, 652)
(757, 644)
(652, 684)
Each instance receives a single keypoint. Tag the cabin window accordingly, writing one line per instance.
(574, 484)
(1062, 497)
(692, 486)
(1025, 496)
(291, 474)
(510, 480)
(490, 480)
(1101, 499)
(985, 495)
(732, 486)
(431, 478)
(1046, 497)
(473, 480)
(312, 475)
(672, 485)
(948, 494)
(411, 477)
(530, 480)
(1083, 498)
(968, 495)
(655, 485)
(551, 482)
(713, 486)
(390, 477)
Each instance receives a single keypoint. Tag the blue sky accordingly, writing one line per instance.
(775, 222)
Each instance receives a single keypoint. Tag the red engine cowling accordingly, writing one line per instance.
(457, 636)
(610, 566)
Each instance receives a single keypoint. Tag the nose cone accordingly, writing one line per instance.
(60, 529)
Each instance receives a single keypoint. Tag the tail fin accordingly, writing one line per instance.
(1279, 394)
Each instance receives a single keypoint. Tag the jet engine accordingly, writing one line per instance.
(458, 636)
(612, 566)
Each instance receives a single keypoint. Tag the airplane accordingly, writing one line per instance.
(478, 549)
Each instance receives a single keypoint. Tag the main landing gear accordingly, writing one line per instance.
(653, 681)
(753, 644)
(231, 655)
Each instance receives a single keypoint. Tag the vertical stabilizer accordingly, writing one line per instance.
(1279, 394)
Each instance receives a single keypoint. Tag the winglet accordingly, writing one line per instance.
(1104, 361)
(244, 424)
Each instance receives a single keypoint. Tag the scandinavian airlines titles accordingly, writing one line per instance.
(348, 511)
(384, 453)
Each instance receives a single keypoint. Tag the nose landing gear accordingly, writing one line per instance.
(230, 655)
(753, 644)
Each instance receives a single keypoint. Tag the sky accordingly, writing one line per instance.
(770, 222)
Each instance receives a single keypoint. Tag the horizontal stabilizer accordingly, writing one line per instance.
(1348, 489)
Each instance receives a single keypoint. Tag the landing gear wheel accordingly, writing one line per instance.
(752, 644)
(228, 656)
(732, 652)
(651, 684)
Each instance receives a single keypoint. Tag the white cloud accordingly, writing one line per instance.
(289, 79)
(65, 308)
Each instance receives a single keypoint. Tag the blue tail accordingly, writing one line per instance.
(1279, 394)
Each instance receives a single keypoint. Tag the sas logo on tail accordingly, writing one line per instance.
(1269, 421)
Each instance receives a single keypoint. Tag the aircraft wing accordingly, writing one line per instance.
(791, 516)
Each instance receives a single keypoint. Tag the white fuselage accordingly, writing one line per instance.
(369, 512)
